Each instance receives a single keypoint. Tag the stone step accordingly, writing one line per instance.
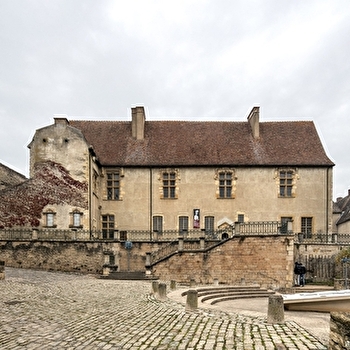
(239, 294)
(212, 290)
(124, 275)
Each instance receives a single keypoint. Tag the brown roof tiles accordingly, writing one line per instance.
(194, 143)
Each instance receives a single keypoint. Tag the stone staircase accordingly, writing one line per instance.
(215, 295)
(131, 275)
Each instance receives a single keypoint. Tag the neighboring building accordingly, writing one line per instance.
(9, 177)
(341, 214)
(183, 175)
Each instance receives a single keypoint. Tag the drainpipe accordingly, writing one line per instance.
(89, 189)
(150, 201)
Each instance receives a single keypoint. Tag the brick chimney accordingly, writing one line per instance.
(253, 119)
(138, 122)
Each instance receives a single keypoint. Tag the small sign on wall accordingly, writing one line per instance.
(196, 218)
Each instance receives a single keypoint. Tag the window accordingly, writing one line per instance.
(240, 218)
(49, 216)
(286, 183)
(108, 226)
(157, 223)
(113, 186)
(284, 223)
(306, 226)
(50, 219)
(183, 223)
(76, 219)
(123, 235)
(209, 224)
(169, 184)
(225, 184)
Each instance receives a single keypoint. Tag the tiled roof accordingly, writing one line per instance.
(342, 206)
(193, 143)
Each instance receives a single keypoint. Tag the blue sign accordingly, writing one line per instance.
(128, 245)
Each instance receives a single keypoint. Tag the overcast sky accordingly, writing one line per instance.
(187, 60)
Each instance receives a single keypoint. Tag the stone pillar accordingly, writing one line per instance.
(334, 238)
(300, 237)
(216, 281)
(275, 312)
(339, 336)
(172, 285)
(202, 243)
(192, 300)
(181, 244)
(162, 291)
(155, 235)
(2, 270)
(155, 288)
(148, 260)
(192, 282)
(34, 234)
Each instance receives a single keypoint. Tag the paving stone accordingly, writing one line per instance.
(46, 310)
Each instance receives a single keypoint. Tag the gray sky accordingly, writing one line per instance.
(184, 59)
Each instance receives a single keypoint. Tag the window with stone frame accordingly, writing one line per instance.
(240, 218)
(284, 223)
(76, 217)
(50, 218)
(108, 226)
(113, 185)
(157, 223)
(307, 226)
(169, 179)
(209, 224)
(183, 224)
(226, 183)
(287, 179)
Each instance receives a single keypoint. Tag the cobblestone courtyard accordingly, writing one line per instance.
(50, 310)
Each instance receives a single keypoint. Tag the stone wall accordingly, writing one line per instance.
(339, 337)
(265, 260)
(86, 257)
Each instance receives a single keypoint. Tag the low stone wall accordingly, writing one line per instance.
(84, 257)
(339, 337)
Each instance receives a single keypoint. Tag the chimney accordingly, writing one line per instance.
(60, 119)
(253, 119)
(138, 122)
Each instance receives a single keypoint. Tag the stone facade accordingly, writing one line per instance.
(219, 173)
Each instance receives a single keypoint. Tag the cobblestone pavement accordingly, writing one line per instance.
(50, 310)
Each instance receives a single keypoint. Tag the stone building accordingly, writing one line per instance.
(341, 214)
(9, 177)
(183, 175)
